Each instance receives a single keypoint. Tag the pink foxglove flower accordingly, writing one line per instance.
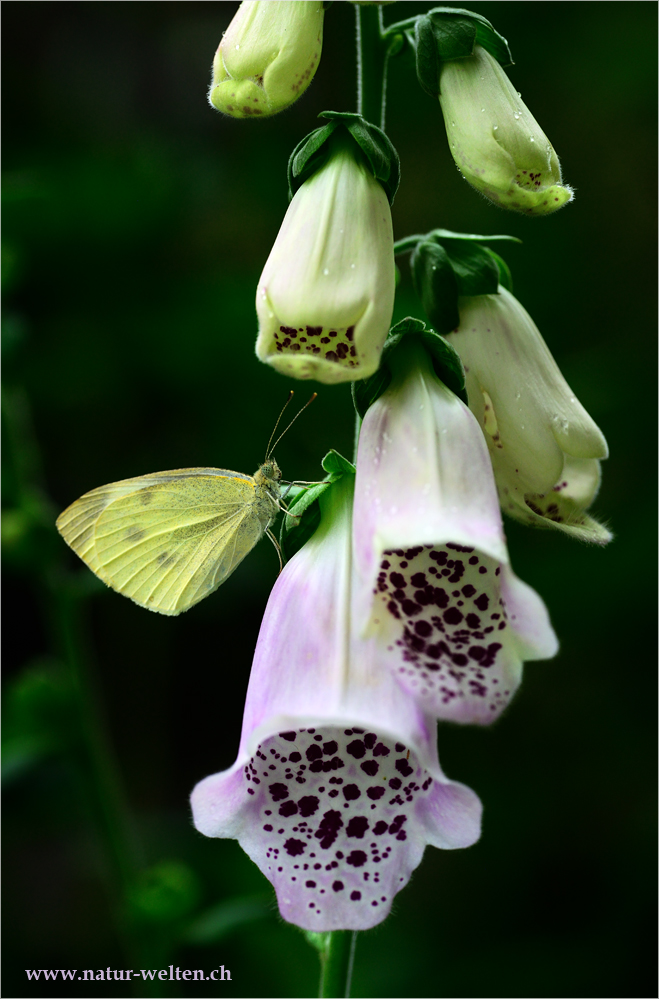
(337, 788)
(453, 621)
(326, 294)
(545, 448)
(267, 57)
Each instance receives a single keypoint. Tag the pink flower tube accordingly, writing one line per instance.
(337, 787)
(437, 592)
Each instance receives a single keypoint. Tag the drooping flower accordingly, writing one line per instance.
(337, 787)
(545, 448)
(453, 621)
(496, 142)
(267, 57)
(326, 294)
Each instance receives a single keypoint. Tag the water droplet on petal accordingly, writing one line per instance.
(326, 271)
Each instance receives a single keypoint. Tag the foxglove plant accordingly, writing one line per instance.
(337, 788)
(453, 621)
(405, 610)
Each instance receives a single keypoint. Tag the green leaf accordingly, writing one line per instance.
(484, 33)
(475, 269)
(427, 57)
(337, 466)
(303, 516)
(315, 149)
(436, 284)
(505, 276)
(448, 265)
(445, 361)
(448, 33)
(310, 154)
(449, 234)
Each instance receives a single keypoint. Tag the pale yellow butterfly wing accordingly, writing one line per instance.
(169, 539)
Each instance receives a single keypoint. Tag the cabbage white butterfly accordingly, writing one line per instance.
(169, 539)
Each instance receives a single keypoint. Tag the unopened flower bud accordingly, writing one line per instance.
(267, 57)
(496, 142)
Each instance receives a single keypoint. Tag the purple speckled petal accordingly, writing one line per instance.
(337, 788)
(436, 585)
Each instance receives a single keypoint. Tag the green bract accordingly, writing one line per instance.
(267, 57)
(448, 265)
(304, 512)
(447, 33)
(444, 358)
(314, 150)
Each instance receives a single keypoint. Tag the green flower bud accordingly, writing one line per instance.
(496, 142)
(267, 57)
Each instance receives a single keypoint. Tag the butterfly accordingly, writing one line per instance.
(169, 539)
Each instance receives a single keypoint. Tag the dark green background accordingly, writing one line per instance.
(136, 222)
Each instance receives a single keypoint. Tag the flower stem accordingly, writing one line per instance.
(336, 961)
(372, 59)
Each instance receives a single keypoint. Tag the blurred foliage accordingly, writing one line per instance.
(136, 223)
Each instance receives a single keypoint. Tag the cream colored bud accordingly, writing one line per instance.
(267, 57)
(495, 141)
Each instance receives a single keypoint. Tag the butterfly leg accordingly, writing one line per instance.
(276, 544)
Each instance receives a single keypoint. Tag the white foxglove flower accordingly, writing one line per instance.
(326, 294)
(496, 142)
(545, 448)
(436, 589)
(337, 788)
(267, 57)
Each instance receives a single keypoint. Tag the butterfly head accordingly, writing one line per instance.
(269, 475)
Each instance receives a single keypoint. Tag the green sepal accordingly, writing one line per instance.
(303, 515)
(436, 284)
(445, 361)
(449, 265)
(505, 275)
(448, 33)
(315, 149)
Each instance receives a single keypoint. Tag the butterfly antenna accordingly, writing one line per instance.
(274, 429)
(308, 403)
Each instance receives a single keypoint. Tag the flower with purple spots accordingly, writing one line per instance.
(495, 141)
(337, 788)
(453, 622)
(267, 57)
(545, 448)
(326, 294)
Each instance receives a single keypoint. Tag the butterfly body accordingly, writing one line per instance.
(168, 539)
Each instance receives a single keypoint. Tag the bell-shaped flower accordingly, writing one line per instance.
(545, 448)
(326, 294)
(267, 57)
(496, 142)
(337, 787)
(436, 588)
